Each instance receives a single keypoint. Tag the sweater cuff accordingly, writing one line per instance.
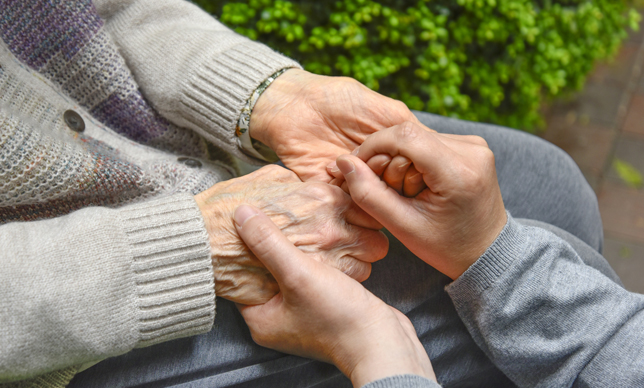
(402, 381)
(215, 97)
(497, 258)
(172, 268)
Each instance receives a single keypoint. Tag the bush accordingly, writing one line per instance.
(481, 60)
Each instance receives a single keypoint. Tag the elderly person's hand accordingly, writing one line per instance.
(459, 213)
(319, 218)
(309, 120)
(323, 314)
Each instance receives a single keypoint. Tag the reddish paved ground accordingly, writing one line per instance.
(603, 122)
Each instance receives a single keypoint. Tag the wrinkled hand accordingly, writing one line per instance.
(321, 313)
(456, 217)
(318, 218)
(309, 120)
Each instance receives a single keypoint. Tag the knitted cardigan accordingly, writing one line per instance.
(109, 115)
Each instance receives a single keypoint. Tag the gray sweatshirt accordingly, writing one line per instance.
(548, 320)
(545, 318)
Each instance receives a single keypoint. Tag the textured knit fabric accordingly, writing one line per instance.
(546, 319)
(152, 82)
(402, 381)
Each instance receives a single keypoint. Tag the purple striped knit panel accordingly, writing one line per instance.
(64, 41)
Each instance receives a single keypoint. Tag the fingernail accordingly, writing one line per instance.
(355, 151)
(346, 166)
(416, 178)
(404, 165)
(333, 167)
(385, 163)
(243, 213)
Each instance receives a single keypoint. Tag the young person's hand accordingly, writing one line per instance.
(397, 172)
(459, 212)
(323, 314)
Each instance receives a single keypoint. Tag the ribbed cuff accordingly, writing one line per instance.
(172, 268)
(403, 381)
(496, 259)
(55, 379)
(213, 99)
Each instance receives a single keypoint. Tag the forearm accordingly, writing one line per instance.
(195, 71)
(99, 282)
(545, 318)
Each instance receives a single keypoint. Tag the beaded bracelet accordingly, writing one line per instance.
(246, 143)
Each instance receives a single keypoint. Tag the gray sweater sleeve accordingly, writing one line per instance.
(402, 381)
(548, 320)
(98, 282)
(194, 70)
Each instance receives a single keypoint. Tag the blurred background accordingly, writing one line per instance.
(567, 70)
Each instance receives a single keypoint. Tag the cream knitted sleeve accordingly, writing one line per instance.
(98, 282)
(195, 71)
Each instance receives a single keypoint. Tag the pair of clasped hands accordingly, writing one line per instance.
(437, 193)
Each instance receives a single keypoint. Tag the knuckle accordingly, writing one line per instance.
(401, 106)
(290, 176)
(326, 193)
(486, 160)
(407, 131)
(479, 140)
(487, 153)
(350, 81)
(476, 172)
(358, 270)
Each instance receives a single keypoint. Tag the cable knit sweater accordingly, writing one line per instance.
(109, 107)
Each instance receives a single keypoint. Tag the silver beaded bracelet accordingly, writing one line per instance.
(246, 143)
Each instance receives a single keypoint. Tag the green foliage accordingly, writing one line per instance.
(629, 174)
(480, 60)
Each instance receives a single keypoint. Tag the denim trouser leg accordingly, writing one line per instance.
(539, 182)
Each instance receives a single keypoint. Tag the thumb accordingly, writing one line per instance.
(370, 193)
(267, 242)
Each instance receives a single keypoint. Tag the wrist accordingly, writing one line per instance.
(383, 351)
(277, 96)
(225, 244)
(489, 233)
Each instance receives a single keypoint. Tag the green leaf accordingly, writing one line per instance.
(629, 174)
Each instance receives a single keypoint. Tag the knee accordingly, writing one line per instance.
(560, 194)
